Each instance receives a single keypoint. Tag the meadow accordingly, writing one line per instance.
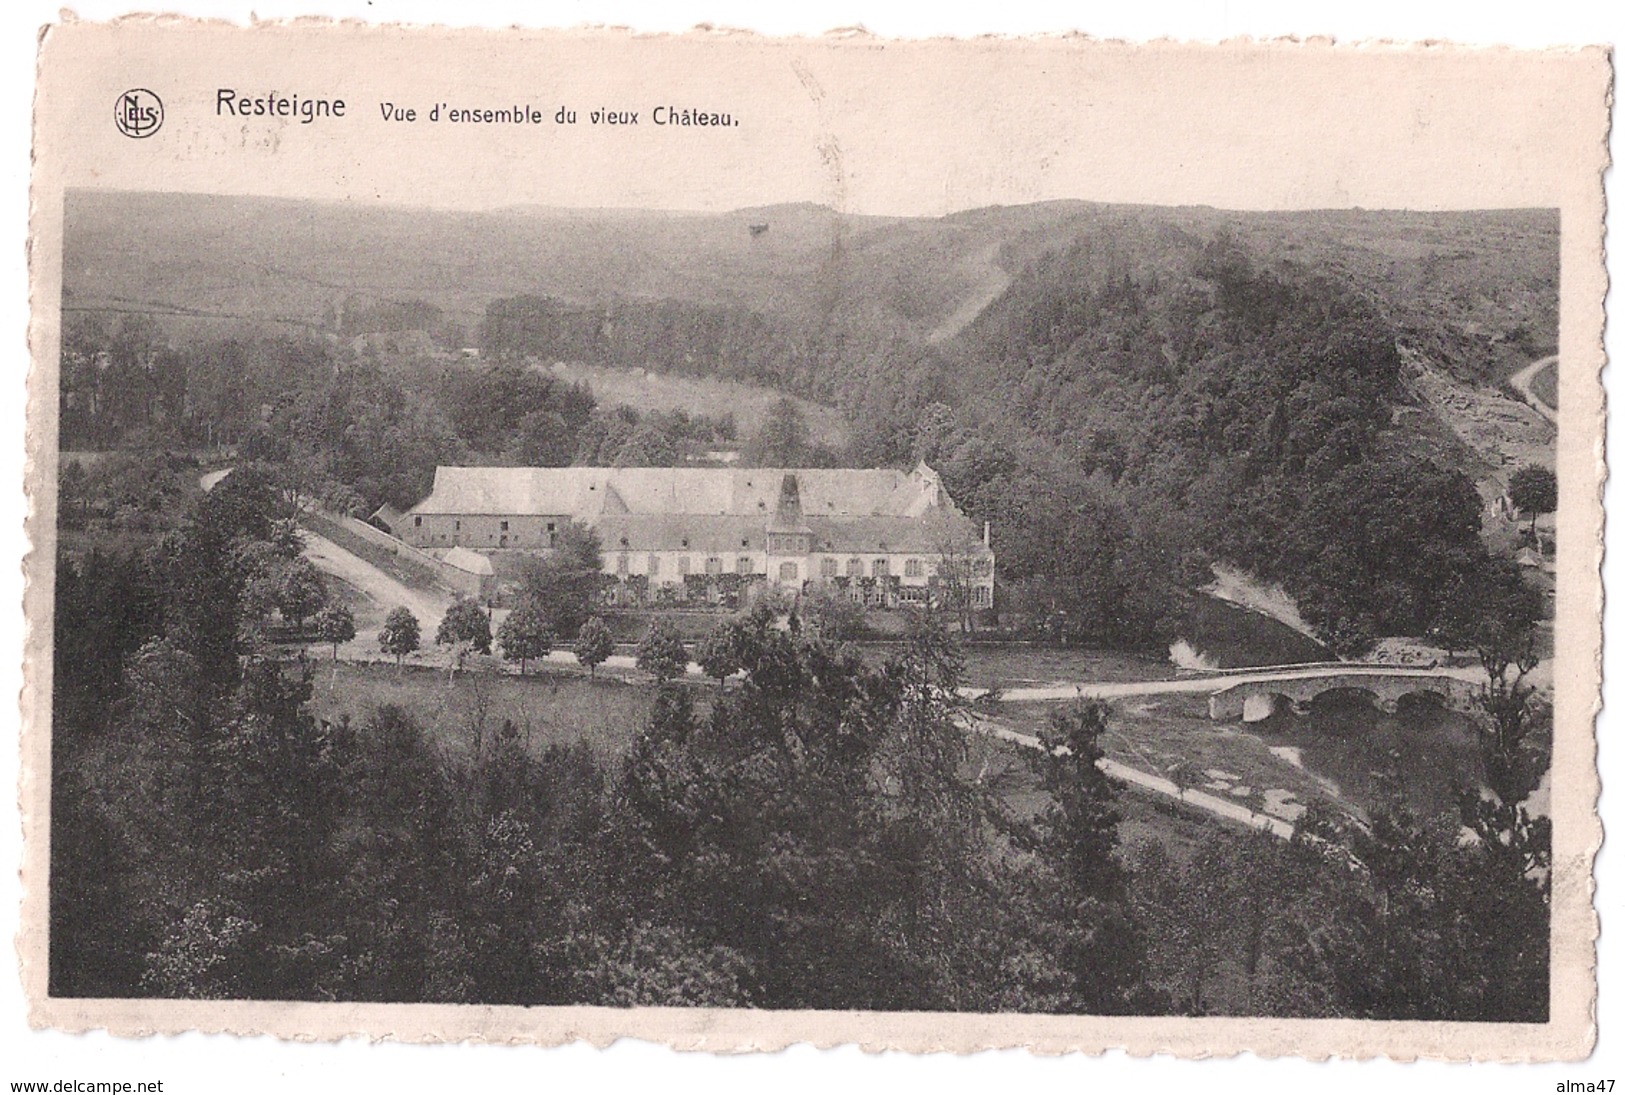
(545, 708)
(749, 404)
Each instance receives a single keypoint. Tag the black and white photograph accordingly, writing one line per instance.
(939, 598)
(1067, 607)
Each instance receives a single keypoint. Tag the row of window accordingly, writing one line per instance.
(828, 567)
(745, 564)
(880, 568)
(981, 596)
(788, 571)
(503, 539)
(457, 524)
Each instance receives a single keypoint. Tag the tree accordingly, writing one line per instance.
(299, 591)
(934, 433)
(466, 629)
(400, 634)
(465, 622)
(783, 440)
(594, 644)
(525, 635)
(563, 583)
(1076, 838)
(719, 653)
(1507, 877)
(1534, 491)
(832, 614)
(1488, 607)
(661, 652)
(335, 624)
(955, 585)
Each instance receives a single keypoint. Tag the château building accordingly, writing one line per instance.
(885, 536)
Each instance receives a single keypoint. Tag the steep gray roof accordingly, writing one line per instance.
(588, 493)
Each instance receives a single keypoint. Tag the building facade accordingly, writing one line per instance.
(881, 536)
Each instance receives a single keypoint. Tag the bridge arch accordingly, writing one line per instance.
(1258, 706)
(1424, 699)
(1344, 694)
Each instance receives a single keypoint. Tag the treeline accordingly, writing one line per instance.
(356, 430)
(664, 335)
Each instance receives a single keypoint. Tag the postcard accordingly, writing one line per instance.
(739, 541)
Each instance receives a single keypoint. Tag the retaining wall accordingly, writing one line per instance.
(460, 581)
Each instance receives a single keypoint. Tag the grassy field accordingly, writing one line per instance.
(548, 709)
(1494, 426)
(1021, 665)
(630, 625)
(1143, 816)
(1227, 634)
(749, 404)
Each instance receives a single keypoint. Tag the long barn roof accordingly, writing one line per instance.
(591, 493)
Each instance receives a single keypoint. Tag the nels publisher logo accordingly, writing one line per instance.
(138, 113)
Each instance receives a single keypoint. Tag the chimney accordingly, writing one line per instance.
(987, 534)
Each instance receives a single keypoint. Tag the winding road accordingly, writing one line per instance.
(1520, 380)
(1109, 690)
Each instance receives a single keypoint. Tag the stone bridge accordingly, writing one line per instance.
(1254, 698)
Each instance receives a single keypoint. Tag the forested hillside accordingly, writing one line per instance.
(1477, 290)
(1238, 410)
(1128, 394)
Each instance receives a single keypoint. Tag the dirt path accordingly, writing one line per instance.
(374, 583)
(386, 593)
(1520, 380)
(994, 282)
(1159, 785)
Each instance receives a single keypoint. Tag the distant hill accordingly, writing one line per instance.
(1476, 291)
(263, 259)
